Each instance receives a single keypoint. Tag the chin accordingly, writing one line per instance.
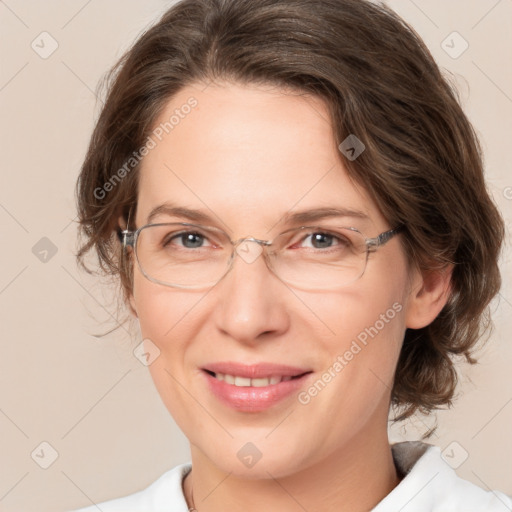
(256, 459)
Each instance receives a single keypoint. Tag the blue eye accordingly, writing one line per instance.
(321, 240)
(187, 239)
(192, 240)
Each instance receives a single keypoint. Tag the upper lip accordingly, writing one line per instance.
(255, 371)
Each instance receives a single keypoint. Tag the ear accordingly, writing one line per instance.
(430, 291)
(133, 309)
(121, 222)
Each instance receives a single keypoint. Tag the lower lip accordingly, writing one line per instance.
(251, 398)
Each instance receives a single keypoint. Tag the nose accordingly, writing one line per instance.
(250, 298)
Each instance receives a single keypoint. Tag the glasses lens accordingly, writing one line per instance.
(192, 256)
(319, 257)
(183, 255)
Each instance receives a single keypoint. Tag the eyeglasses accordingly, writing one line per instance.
(190, 256)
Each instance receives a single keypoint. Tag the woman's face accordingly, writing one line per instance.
(247, 158)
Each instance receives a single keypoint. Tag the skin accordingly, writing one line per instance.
(246, 155)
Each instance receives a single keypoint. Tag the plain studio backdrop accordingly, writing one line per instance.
(79, 417)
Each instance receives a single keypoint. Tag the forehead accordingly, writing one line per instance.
(246, 155)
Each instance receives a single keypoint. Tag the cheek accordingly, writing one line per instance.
(361, 312)
(163, 312)
(360, 349)
(169, 322)
(359, 333)
(357, 336)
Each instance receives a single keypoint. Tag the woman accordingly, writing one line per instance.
(283, 189)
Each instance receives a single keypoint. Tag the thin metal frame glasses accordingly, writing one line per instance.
(306, 257)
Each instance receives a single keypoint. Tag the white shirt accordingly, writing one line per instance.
(430, 485)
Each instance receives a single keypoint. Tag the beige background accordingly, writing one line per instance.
(91, 399)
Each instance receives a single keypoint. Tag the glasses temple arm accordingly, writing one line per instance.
(384, 237)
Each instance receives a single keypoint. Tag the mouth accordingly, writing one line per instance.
(253, 388)
(238, 380)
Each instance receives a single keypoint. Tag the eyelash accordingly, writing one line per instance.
(340, 240)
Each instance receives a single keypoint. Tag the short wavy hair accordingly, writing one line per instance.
(422, 164)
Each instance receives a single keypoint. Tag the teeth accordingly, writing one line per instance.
(242, 381)
(246, 381)
(263, 382)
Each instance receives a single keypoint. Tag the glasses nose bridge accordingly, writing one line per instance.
(247, 253)
(262, 243)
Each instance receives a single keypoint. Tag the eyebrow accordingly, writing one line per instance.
(300, 217)
(178, 211)
(312, 215)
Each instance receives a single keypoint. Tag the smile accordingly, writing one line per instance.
(253, 388)
(236, 380)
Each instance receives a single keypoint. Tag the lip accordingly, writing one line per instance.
(255, 371)
(251, 398)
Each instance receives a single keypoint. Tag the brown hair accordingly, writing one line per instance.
(422, 163)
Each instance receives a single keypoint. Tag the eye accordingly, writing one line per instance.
(323, 240)
(187, 239)
(320, 240)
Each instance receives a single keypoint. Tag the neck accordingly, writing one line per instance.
(354, 478)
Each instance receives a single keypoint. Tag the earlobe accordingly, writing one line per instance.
(131, 303)
(121, 222)
(429, 294)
